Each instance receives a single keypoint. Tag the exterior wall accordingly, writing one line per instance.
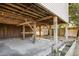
(44, 31)
(37, 31)
(61, 32)
(11, 31)
(60, 9)
(72, 32)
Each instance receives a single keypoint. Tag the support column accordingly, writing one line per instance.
(66, 32)
(34, 35)
(55, 22)
(23, 31)
(40, 30)
(50, 31)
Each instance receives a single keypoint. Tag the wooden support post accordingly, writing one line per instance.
(40, 31)
(66, 31)
(34, 34)
(55, 22)
(50, 31)
(23, 31)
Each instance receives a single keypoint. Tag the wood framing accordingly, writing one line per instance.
(24, 10)
(24, 18)
(6, 20)
(34, 35)
(50, 30)
(15, 10)
(23, 32)
(55, 21)
(28, 32)
(45, 18)
(66, 31)
(40, 30)
(25, 23)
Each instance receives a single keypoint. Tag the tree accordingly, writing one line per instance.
(74, 13)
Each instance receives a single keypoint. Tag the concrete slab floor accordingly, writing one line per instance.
(18, 47)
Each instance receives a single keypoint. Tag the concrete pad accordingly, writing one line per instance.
(26, 47)
(6, 51)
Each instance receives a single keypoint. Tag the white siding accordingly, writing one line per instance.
(60, 9)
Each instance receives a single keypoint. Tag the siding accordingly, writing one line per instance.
(9, 31)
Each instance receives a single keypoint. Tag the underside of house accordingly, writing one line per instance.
(14, 17)
(25, 20)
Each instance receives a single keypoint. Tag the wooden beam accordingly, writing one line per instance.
(27, 32)
(66, 31)
(31, 8)
(29, 23)
(40, 30)
(25, 23)
(13, 18)
(34, 36)
(50, 30)
(16, 14)
(23, 31)
(24, 10)
(45, 18)
(55, 22)
(12, 15)
(31, 27)
(39, 9)
(6, 20)
(15, 10)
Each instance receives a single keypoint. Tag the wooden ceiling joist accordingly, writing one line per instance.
(25, 23)
(13, 12)
(18, 11)
(12, 16)
(40, 9)
(21, 12)
(24, 10)
(45, 18)
(31, 8)
(8, 13)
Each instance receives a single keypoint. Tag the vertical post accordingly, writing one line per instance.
(55, 22)
(23, 31)
(66, 31)
(40, 30)
(50, 31)
(34, 35)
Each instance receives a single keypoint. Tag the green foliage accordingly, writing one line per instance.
(74, 13)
